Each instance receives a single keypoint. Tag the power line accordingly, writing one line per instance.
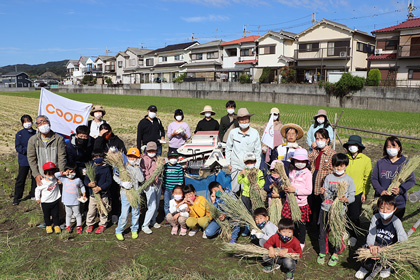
(271, 24)
(369, 16)
(284, 28)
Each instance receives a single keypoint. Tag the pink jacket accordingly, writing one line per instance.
(303, 185)
(148, 166)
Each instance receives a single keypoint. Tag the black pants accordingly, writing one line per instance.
(323, 230)
(314, 202)
(354, 211)
(247, 202)
(51, 209)
(114, 192)
(20, 183)
(300, 232)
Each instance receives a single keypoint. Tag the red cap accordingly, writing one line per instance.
(49, 165)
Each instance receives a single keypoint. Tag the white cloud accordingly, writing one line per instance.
(205, 18)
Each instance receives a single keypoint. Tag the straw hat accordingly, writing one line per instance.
(97, 108)
(207, 108)
(243, 112)
(274, 111)
(295, 126)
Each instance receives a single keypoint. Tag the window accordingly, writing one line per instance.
(309, 47)
(163, 58)
(330, 50)
(141, 63)
(268, 50)
(176, 57)
(197, 56)
(120, 64)
(149, 62)
(414, 74)
(132, 62)
(246, 52)
(391, 45)
(415, 46)
(211, 55)
(360, 46)
(232, 52)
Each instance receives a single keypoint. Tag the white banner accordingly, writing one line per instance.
(268, 136)
(65, 114)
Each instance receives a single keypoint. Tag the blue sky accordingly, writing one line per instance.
(38, 31)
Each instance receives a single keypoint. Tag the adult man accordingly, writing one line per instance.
(208, 123)
(79, 149)
(242, 140)
(45, 146)
(228, 122)
(150, 128)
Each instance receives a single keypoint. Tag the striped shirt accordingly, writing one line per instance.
(172, 175)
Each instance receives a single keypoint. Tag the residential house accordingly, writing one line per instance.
(329, 46)
(397, 53)
(239, 57)
(86, 65)
(104, 67)
(275, 51)
(15, 80)
(128, 65)
(72, 67)
(205, 61)
(164, 64)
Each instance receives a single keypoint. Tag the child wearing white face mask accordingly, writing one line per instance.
(173, 175)
(178, 212)
(178, 131)
(385, 229)
(97, 113)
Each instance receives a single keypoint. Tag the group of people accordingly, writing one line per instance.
(60, 176)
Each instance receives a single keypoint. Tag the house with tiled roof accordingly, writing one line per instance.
(104, 67)
(330, 46)
(397, 54)
(128, 64)
(15, 80)
(239, 57)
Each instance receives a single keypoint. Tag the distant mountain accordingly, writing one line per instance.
(57, 67)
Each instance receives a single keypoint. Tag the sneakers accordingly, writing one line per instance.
(352, 241)
(385, 273)
(119, 236)
(192, 232)
(100, 229)
(49, 229)
(156, 225)
(41, 225)
(89, 229)
(68, 229)
(333, 261)
(57, 229)
(134, 235)
(361, 273)
(183, 232)
(271, 268)
(289, 276)
(321, 259)
(233, 240)
(302, 246)
(147, 230)
(204, 235)
(79, 230)
(15, 203)
(174, 230)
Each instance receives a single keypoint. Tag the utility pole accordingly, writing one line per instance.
(411, 8)
(245, 31)
(107, 51)
(314, 21)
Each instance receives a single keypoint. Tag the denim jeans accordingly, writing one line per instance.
(167, 196)
(159, 151)
(213, 229)
(153, 199)
(125, 210)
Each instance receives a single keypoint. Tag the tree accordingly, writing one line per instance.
(265, 75)
(244, 79)
(180, 78)
(288, 75)
(346, 85)
(374, 77)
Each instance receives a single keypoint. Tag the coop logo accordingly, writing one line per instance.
(67, 116)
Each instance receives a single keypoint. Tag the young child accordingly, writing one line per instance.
(199, 214)
(173, 175)
(271, 180)
(133, 168)
(285, 240)
(213, 229)
(262, 221)
(71, 188)
(48, 195)
(385, 229)
(178, 212)
(101, 185)
(329, 191)
(301, 180)
(148, 166)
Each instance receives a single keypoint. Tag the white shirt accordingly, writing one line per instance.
(286, 151)
(182, 209)
(48, 191)
(94, 128)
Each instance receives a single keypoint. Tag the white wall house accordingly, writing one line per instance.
(72, 67)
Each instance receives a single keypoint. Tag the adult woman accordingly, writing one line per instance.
(321, 121)
(178, 131)
(278, 139)
(97, 113)
(208, 123)
(386, 169)
(359, 168)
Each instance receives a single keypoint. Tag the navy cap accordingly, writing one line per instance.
(173, 153)
(178, 112)
(152, 108)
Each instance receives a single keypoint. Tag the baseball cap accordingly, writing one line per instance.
(152, 108)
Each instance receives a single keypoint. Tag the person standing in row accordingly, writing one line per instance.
(97, 113)
(228, 122)
(321, 121)
(150, 128)
(208, 123)
(178, 131)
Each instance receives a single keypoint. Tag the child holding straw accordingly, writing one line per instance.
(136, 177)
(285, 240)
(271, 181)
(178, 212)
(99, 186)
(173, 175)
(199, 214)
(331, 191)
(263, 223)
(385, 229)
(389, 167)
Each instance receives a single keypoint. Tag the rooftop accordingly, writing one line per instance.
(241, 40)
(383, 56)
(409, 23)
(175, 47)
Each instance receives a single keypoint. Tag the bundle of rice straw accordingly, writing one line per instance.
(160, 166)
(254, 190)
(225, 228)
(291, 198)
(91, 173)
(116, 160)
(274, 211)
(236, 210)
(253, 251)
(337, 218)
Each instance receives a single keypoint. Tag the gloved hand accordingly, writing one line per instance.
(127, 185)
(253, 231)
(259, 235)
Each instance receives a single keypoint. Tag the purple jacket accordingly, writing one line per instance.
(177, 141)
(382, 175)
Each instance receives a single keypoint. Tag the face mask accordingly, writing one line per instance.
(244, 125)
(320, 144)
(44, 128)
(173, 161)
(131, 162)
(275, 117)
(207, 115)
(192, 197)
(151, 154)
(261, 225)
(386, 216)
(50, 177)
(218, 194)
(320, 120)
(98, 160)
(82, 142)
(71, 175)
(230, 111)
(152, 115)
(285, 238)
(178, 197)
(98, 115)
(27, 125)
(178, 118)
(339, 173)
(250, 166)
(392, 152)
(353, 149)
(300, 165)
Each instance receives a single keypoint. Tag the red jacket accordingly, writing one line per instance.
(293, 246)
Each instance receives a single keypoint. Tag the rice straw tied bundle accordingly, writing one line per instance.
(274, 210)
(254, 190)
(253, 251)
(91, 173)
(291, 198)
(116, 160)
(160, 166)
(225, 228)
(337, 218)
